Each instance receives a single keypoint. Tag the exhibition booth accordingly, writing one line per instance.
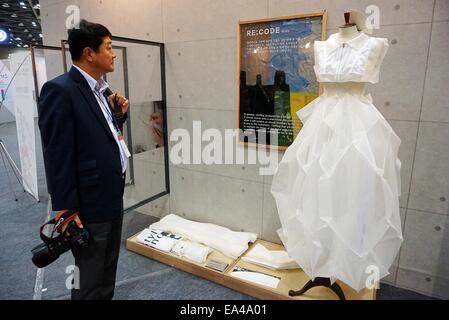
(268, 151)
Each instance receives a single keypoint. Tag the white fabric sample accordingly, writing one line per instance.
(273, 259)
(228, 242)
(337, 187)
(158, 239)
(255, 277)
(191, 250)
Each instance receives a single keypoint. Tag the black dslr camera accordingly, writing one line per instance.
(52, 247)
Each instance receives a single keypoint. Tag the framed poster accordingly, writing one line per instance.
(275, 76)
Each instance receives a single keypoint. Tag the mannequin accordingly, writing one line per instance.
(348, 33)
(345, 33)
(338, 184)
(349, 30)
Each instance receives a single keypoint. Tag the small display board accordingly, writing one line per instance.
(276, 76)
(293, 279)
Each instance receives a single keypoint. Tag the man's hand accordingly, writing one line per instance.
(64, 226)
(121, 101)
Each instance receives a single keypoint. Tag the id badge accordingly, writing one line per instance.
(124, 147)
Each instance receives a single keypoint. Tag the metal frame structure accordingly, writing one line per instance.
(164, 107)
(164, 114)
(33, 62)
(128, 122)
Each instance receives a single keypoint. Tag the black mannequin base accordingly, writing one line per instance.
(325, 282)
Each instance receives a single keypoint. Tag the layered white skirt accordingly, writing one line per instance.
(337, 189)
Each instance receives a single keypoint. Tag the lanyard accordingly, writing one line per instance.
(124, 152)
(109, 111)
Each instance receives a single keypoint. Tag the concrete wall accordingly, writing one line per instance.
(200, 37)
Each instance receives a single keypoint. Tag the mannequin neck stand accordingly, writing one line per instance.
(348, 33)
(325, 282)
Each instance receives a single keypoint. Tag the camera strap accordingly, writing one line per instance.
(60, 220)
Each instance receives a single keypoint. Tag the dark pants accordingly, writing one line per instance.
(97, 262)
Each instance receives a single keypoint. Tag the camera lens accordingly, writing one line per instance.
(42, 255)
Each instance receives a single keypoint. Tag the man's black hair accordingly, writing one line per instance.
(86, 35)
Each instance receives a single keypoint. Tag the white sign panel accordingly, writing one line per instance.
(6, 97)
(23, 90)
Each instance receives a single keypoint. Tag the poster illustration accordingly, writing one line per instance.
(276, 76)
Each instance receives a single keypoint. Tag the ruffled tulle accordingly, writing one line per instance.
(337, 190)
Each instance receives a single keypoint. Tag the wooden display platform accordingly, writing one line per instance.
(290, 279)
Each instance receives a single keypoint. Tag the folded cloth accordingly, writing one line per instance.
(158, 239)
(191, 250)
(228, 242)
(256, 277)
(276, 260)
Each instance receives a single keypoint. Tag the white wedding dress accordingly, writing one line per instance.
(338, 184)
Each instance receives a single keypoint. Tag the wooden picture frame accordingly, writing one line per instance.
(275, 76)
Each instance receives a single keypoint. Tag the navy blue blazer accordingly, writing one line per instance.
(81, 156)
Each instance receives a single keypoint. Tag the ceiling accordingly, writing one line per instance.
(20, 19)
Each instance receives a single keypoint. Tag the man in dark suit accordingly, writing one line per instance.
(85, 156)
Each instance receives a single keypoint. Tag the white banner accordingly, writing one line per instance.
(7, 103)
(22, 89)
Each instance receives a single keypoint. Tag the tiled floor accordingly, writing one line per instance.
(137, 277)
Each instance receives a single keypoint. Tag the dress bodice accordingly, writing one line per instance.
(356, 60)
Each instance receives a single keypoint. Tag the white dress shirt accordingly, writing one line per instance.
(98, 89)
